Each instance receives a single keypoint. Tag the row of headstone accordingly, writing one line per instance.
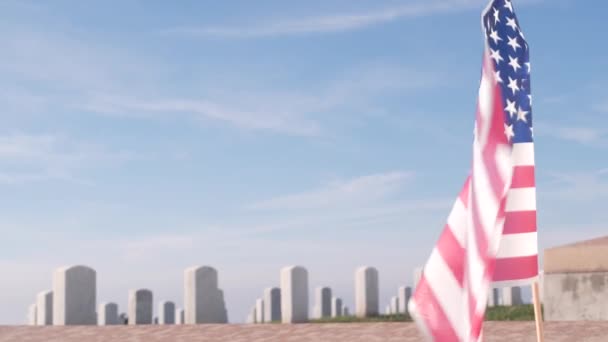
(72, 301)
(140, 311)
(268, 308)
(326, 305)
(506, 296)
(289, 303)
(398, 304)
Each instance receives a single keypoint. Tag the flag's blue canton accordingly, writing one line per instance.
(510, 54)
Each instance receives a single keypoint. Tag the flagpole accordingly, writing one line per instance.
(538, 317)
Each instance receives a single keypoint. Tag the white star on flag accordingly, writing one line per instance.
(513, 85)
(511, 23)
(514, 63)
(513, 43)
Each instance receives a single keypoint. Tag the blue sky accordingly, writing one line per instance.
(141, 137)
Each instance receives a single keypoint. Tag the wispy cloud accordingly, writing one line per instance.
(329, 23)
(122, 83)
(41, 56)
(195, 109)
(358, 190)
(47, 73)
(332, 23)
(297, 112)
(578, 185)
(583, 135)
(381, 200)
(28, 157)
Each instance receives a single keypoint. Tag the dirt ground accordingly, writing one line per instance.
(368, 332)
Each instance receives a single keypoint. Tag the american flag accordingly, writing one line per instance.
(490, 235)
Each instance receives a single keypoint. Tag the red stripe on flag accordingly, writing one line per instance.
(472, 305)
(523, 177)
(437, 322)
(464, 194)
(516, 268)
(495, 139)
(476, 325)
(477, 230)
(452, 253)
(517, 222)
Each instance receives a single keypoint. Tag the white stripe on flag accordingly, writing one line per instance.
(446, 289)
(504, 164)
(487, 205)
(518, 245)
(458, 221)
(523, 154)
(521, 199)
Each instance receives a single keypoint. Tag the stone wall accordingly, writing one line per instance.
(576, 296)
(575, 281)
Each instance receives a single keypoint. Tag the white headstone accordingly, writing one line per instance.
(322, 302)
(366, 291)
(511, 296)
(140, 307)
(336, 307)
(505, 296)
(259, 310)
(387, 310)
(32, 314)
(107, 314)
(179, 316)
(394, 305)
(294, 294)
(203, 300)
(516, 296)
(74, 296)
(345, 311)
(494, 297)
(272, 304)
(404, 294)
(44, 311)
(166, 312)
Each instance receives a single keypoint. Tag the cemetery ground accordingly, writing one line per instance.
(580, 331)
(498, 313)
(506, 324)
